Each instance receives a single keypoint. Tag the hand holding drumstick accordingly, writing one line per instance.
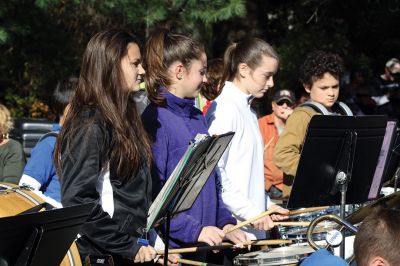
(267, 222)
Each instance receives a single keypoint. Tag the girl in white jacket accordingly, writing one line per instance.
(249, 67)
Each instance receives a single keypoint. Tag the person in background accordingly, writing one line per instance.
(12, 157)
(357, 95)
(302, 96)
(40, 173)
(210, 89)
(140, 98)
(271, 127)
(387, 90)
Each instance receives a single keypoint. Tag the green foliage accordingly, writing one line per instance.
(3, 36)
(42, 41)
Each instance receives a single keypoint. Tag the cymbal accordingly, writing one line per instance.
(390, 201)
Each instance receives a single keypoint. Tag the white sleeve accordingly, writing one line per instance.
(32, 183)
(155, 240)
(29, 181)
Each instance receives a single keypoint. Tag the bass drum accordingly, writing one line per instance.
(14, 200)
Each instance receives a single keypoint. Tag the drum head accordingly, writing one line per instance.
(277, 256)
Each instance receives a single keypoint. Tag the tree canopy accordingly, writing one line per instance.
(42, 41)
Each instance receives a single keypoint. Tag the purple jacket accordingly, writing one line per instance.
(171, 128)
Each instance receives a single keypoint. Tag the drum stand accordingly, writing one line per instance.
(342, 180)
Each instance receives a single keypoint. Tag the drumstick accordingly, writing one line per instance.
(225, 245)
(307, 210)
(249, 221)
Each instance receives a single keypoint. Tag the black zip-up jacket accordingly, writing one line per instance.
(121, 208)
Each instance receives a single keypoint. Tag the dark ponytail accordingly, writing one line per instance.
(162, 49)
(230, 68)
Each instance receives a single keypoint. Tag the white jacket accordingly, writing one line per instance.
(241, 166)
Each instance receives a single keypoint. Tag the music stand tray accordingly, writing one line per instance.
(40, 238)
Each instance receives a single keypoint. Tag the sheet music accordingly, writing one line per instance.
(171, 182)
(376, 182)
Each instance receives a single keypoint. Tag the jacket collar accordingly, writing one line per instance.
(179, 106)
(236, 95)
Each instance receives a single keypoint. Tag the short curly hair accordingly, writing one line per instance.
(318, 63)
(6, 122)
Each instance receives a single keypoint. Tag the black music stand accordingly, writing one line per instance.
(338, 161)
(41, 238)
(190, 174)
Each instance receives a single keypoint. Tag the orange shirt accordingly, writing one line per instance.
(269, 133)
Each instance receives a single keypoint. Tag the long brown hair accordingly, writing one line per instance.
(248, 51)
(162, 49)
(102, 86)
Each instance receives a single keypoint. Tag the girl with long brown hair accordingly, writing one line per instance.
(103, 154)
(176, 67)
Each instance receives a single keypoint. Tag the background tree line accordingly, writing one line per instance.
(41, 41)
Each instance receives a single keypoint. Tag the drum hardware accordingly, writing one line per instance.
(225, 245)
(307, 210)
(329, 217)
(22, 190)
(298, 233)
(291, 255)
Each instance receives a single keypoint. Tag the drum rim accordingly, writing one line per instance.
(18, 190)
(304, 251)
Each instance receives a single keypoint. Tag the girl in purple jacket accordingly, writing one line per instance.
(175, 70)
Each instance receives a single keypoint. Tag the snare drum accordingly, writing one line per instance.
(291, 255)
(14, 200)
(298, 233)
